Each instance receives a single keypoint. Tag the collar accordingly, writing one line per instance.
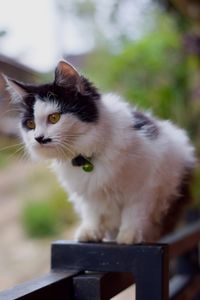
(84, 162)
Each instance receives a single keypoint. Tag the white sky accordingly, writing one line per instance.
(38, 36)
(33, 33)
(30, 32)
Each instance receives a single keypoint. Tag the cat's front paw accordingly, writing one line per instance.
(129, 237)
(88, 234)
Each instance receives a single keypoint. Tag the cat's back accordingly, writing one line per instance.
(160, 151)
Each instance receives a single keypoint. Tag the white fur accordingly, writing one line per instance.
(134, 177)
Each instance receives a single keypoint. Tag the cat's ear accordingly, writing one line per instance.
(66, 75)
(17, 90)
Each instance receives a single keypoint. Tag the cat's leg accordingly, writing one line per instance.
(89, 233)
(137, 225)
(91, 228)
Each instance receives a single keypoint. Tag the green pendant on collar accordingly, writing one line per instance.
(84, 162)
(88, 167)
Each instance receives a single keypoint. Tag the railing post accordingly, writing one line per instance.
(148, 263)
(152, 277)
(87, 287)
(100, 286)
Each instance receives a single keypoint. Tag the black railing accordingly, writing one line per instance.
(88, 271)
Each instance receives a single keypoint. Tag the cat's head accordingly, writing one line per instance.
(57, 120)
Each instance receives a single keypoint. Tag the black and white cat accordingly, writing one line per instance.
(123, 169)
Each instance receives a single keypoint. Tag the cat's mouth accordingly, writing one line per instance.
(52, 150)
(48, 146)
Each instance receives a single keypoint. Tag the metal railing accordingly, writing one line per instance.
(92, 271)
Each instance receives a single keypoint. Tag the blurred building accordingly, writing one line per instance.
(13, 69)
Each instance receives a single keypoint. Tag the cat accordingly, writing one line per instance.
(124, 169)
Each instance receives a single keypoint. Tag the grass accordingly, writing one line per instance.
(48, 211)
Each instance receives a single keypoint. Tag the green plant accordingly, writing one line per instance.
(39, 219)
(47, 217)
(151, 72)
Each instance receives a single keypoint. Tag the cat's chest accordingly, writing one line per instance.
(76, 180)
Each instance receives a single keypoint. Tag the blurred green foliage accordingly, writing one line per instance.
(47, 217)
(150, 72)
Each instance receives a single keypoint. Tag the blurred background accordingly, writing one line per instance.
(147, 50)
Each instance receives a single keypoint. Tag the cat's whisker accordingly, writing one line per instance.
(66, 143)
(22, 157)
(64, 136)
(65, 146)
(59, 144)
(11, 110)
(61, 152)
(16, 152)
(25, 156)
(64, 151)
(11, 146)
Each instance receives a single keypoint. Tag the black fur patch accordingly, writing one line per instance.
(78, 161)
(27, 110)
(83, 105)
(146, 124)
(177, 208)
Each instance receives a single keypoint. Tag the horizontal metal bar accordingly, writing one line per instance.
(100, 286)
(183, 239)
(53, 286)
(184, 287)
(177, 284)
(103, 257)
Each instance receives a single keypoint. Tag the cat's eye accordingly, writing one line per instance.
(54, 118)
(30, 124)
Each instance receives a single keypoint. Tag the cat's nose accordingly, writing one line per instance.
(41, 139)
